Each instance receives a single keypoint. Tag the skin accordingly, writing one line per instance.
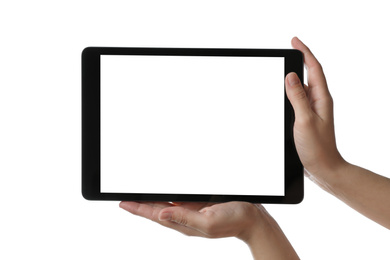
(314, 135)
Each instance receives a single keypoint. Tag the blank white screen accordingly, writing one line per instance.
(192, 125)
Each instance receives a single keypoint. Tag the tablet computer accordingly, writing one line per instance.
(189, 124)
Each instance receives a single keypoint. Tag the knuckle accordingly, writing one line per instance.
(249, 207)
(316, 65)
(319, 66)
(180, 219)
(299, 94)
(329, 100)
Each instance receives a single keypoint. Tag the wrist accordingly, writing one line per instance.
(255, 222)
(328, 177)
(257, 227)
(265, 238)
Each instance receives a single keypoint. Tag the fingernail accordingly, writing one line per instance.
(165, 216)
(292, 79)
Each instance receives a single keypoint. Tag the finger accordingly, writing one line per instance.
(151, 210)
(316, 77)
(175, 203)
(319, 96)
(184, 217)
(195, 205)
(306, 87)
(297, 96)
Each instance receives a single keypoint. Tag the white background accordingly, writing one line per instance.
(192, 125)
(43, 215)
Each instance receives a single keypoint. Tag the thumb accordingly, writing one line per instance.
(297, 96)
(182, 216)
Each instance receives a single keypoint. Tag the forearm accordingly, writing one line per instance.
(363, 190)
(267, 241)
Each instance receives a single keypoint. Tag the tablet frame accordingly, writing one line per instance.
(293, 169)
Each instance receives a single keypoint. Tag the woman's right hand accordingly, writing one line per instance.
(314, 125)
(315, 141)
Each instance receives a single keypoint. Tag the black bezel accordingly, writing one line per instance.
(91, 126)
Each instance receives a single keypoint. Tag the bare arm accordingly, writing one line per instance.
(267, 240)
(363, 190)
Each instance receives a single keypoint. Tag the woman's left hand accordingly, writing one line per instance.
(232, 219)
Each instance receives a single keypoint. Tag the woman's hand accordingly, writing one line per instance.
(315, 141)
(314, 133)
(248, 222)
(232, 219)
